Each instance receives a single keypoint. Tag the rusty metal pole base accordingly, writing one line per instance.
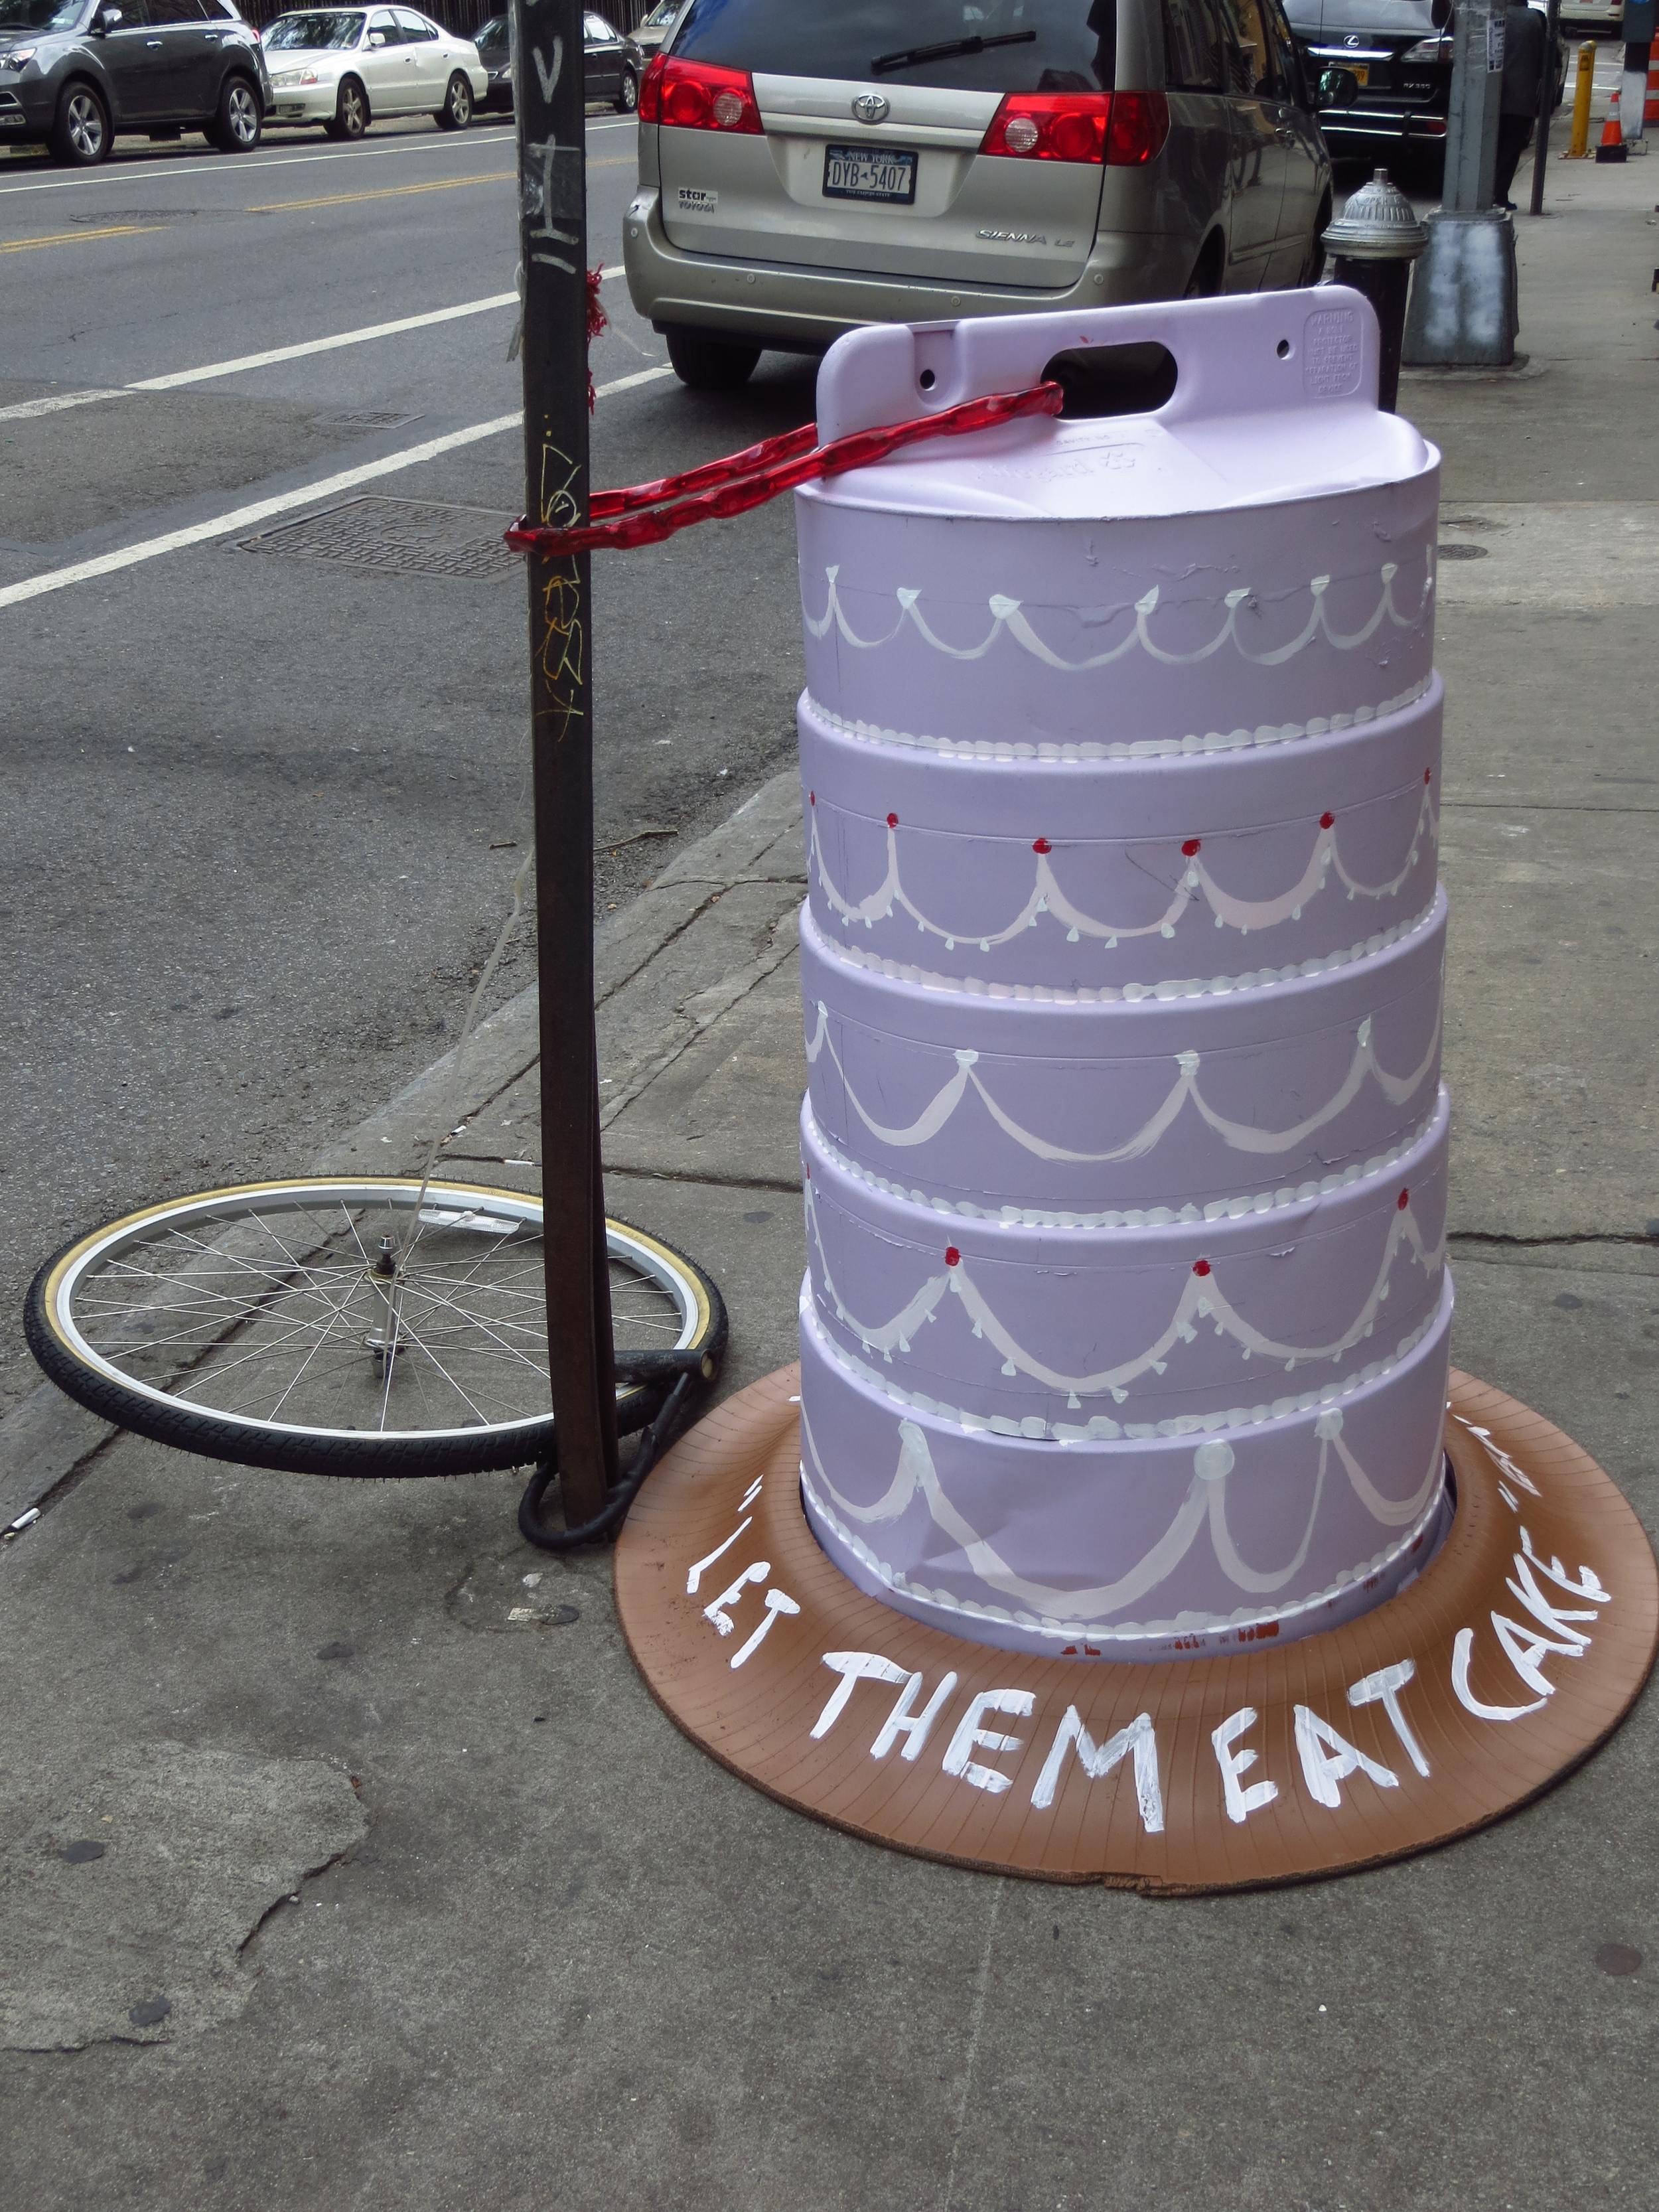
(1516, 1651)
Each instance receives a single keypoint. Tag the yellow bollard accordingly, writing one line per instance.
(1579, 144)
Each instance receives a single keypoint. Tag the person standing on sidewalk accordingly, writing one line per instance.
(1637, 30)
(1524, 41)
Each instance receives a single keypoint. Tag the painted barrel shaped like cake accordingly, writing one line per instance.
(1126, 1318)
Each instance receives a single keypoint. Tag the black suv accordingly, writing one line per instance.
(1399, 54)
(74, 72)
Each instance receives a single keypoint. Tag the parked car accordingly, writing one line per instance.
(805, 168)
(646, 35)
(73, 73)
(343, 67)
(611, 75)
(1399, 54)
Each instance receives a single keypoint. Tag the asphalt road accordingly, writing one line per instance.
(262, 810)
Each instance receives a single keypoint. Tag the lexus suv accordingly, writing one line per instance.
(805, 168)
(75, 72)
(1399, 54)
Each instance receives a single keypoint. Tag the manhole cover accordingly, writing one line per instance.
(1449, 552)
(370, 422)
(418, 538)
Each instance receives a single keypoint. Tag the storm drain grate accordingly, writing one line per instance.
(370, 422)
(407, 536)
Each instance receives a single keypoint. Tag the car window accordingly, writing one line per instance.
(981, 46)
(414, 28)
(1290, 62)
(659, 16)
(134, 15)
(220, 11)
(174, 11)
(40, 14)
(1252, 57)
(1191, 47)
(381, 21)
(492, 34)
(312, 32)
(597, 32)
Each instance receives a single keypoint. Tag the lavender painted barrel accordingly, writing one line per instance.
(1125, 1320)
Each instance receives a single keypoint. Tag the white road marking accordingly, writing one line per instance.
(245, 518)
(213, 369)
(205, 170)
(23, 408)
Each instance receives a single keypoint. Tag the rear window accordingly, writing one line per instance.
(975, 45)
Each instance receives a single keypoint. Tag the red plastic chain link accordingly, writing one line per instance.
(645, 514)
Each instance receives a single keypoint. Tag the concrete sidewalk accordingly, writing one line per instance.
(395, 1888)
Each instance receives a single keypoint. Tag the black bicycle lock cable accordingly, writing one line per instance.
(694, 1373)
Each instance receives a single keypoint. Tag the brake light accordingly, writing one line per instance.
(1140, 123)
(698, 96)
(1050, 126)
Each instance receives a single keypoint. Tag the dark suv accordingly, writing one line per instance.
(74, 72)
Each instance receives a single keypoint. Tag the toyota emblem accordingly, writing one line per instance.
(871, 107)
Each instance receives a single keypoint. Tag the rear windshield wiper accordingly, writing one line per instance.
(952, 50)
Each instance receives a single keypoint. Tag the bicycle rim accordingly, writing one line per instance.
(323, 1324)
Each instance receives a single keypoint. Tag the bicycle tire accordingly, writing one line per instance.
(102, 1320)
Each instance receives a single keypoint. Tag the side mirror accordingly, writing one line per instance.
(377, 37)
(106, 21)
(1337, 88)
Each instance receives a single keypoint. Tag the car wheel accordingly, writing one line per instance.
(456, 111)
(705, 364)
(1205, 280)
(629, 98)
(81, 134)
(1314, 267)
(240, 121)
(350, 110)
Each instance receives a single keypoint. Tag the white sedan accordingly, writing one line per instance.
(345, 67)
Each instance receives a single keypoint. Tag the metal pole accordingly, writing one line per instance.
(550, 104)
(1540, 151)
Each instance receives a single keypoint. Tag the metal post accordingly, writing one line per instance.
(1540, 150)
(1583, 91)
(1464, 308)
(550, 104)
(1472, 125)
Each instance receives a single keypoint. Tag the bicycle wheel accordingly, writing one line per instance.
(320, 1326)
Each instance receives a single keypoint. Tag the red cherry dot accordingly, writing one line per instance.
(892, 821)
(1427, 774)
(1041, 845)
(1327, 821)
(1201, 1266)
(1403, 1200)
(811, 798)
(951, 1256)
(1191, 847)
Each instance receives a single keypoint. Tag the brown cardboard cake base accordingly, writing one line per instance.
(1518, 1650)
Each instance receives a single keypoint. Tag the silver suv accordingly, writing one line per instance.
(806, 166)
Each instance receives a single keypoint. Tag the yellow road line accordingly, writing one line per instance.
(73, 237)
(385, 192)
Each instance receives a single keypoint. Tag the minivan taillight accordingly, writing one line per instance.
(698, 96)
(1050, 126)
(1140, 126)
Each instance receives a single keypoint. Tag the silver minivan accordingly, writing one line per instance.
(807, 166)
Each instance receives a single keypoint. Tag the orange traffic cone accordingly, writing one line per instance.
(1612, 148)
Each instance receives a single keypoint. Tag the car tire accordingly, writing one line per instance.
(1314, 267)
(1205, 282)
(706, 364)
(79, 130)
(628, 99)
(239, 122)
(456, 111)
(350, 110)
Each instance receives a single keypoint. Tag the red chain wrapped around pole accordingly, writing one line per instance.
(644, 514)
